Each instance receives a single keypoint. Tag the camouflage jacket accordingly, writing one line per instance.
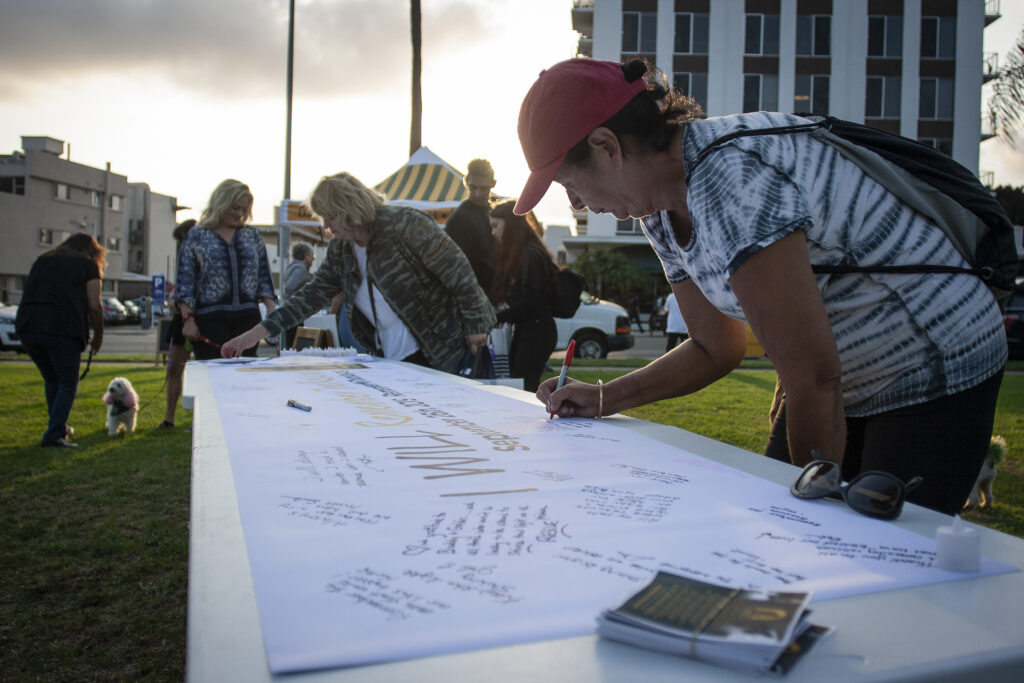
(420, 272)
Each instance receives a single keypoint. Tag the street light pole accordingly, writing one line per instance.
(283, 231)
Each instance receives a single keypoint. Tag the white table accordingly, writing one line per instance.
(964, 630)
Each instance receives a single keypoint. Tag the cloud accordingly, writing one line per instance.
(227, 48)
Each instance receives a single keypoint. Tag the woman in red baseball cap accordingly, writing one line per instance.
(878, 371)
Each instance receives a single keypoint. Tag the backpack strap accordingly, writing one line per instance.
(968, 225)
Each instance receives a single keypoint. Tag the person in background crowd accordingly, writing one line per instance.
(889, 371)
(346, 339)
(675, 326)
(409, 292)
(59, 304)
(469, 226)
(177, 351)
(223, 273)
(634, 311)
(295, 276)
(522, 290)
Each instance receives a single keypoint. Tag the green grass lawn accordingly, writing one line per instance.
(94, 540)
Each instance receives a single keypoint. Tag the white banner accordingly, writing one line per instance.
(408, 515)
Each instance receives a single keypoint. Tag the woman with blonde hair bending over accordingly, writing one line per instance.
(522, 290)
(223, 273)
(409, 292)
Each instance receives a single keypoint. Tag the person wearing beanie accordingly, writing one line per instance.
(877, 371)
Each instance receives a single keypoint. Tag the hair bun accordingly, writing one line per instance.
(634, 69)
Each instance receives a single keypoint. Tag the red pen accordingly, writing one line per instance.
(565, 369)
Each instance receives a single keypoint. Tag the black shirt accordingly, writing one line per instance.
(469, 226)
(54, 300)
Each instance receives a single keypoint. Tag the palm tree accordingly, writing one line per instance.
(416, 130)
(1006, 105)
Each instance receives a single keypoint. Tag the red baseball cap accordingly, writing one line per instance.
(567, 101)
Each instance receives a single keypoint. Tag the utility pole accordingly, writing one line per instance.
(283, 231)
(416, 130)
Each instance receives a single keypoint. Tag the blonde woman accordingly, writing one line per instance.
(223, 273)
(409, 291)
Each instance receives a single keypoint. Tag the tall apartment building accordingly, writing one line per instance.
(913, 67)
(44, 198)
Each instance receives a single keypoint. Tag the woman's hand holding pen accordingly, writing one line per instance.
(234, 347)
(574, 399)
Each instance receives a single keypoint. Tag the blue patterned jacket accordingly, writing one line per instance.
(227, 279)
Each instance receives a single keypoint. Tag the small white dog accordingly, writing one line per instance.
(124, 406)
(981, 494)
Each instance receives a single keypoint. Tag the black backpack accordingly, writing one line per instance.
(568, 285)
(928, 181)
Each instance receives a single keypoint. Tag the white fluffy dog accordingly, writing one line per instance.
(124, 406)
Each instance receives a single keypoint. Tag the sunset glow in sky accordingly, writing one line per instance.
(181, 94)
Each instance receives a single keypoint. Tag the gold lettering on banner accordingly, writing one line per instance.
(485, 493)
(450, 466)
(442, 448)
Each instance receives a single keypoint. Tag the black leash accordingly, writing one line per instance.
(88, 364)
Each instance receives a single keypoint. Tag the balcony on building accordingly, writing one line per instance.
(992, 11)
(989, 66)
(583, 17)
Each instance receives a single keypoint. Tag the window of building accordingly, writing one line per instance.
(691, 36)
(883, 97)
(885, 36)
(938, 37)
(12, 184)
(762, 34)
(813, 35)
(760, 92)
(97, 198)
(107, 286)
(45, 236)
(944, 145)
(693, 84)
(811, 94)
(114, 244)
(629, 226)
(936, 98)
(116, 201)
(61, 191)
(639, 32)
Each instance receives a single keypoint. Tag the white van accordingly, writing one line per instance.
(598, 327)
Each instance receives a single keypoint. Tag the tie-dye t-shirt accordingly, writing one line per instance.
(903, 338)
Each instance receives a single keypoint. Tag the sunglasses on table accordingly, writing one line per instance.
(875, 494)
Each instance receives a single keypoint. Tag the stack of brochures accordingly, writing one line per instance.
(750, 631)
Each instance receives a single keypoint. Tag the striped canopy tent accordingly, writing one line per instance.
(425, 182)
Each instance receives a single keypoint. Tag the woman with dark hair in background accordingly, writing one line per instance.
(61, 301)
(177, 352)
(522, 290)
(223, 273)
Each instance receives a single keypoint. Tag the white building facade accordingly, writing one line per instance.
(45, 198)
(912, 67)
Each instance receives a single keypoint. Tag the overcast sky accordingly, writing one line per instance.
(181, 94)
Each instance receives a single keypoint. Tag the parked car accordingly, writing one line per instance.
(132, 309)
(598, 327)
(114, 311)
(1013, 322)
(8, 337)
